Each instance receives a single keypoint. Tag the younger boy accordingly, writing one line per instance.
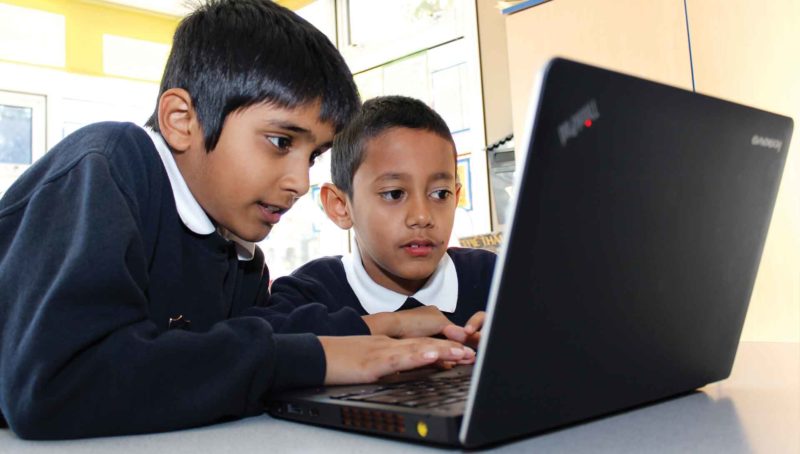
(128, 274)
(394, 174)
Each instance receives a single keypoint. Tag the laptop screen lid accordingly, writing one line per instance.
(636, 232)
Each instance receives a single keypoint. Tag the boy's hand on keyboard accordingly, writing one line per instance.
(473, 329)
(470, 334)
(418, 322)
(364, 359)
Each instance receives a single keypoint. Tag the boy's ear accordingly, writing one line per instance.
(458, 192)
(177, 119)
(334, 202)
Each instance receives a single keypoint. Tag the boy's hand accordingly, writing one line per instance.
(364, 359)
(418, 322)
(471, 333)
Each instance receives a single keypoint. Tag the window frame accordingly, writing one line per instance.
(38, 105)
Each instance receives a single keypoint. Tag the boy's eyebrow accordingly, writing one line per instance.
(442, 176)
(388, 176)
(294, 128)
(391, 176)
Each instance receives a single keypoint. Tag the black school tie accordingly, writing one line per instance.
(410, 303)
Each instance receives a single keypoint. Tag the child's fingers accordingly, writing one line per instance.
(364, 359)
(442, 350)
(475, 323)
(474, 340)
(420, 322)
(455, 333)
(414, 353)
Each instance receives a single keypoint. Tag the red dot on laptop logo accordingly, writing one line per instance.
(588, 123)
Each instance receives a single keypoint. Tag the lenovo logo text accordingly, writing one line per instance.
(767, 142)
(579, 121)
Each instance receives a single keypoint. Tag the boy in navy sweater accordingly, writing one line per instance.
(131, 287)
(394, 183)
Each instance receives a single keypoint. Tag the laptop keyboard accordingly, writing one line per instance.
(428, 392)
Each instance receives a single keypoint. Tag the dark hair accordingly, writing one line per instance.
(376, 116)
(231, 54)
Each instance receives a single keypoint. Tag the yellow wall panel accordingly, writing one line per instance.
(87, 21)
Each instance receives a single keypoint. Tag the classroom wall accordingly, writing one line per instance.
(88, 21)
(494, 71)
(742, 50)
(78, 90)
(749, 52)
(646, 39)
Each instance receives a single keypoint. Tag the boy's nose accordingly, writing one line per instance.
(419, 214)
(296, 178)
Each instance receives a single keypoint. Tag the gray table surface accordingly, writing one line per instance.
(757, 410)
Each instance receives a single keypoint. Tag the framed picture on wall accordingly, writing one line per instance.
(465, 196)
(22, 134)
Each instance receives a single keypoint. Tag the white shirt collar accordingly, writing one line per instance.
(441, 290)
(190, 212)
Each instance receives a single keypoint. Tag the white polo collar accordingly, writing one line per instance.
(190, 212)
(441, 290)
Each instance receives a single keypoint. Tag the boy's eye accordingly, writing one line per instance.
(441, 194)
(280, 142)
(395, 194)
(314, 157)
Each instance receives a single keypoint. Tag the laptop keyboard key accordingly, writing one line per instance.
(427, 393)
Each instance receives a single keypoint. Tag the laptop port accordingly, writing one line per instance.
(294, 409)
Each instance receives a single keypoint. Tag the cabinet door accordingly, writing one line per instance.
(643, 38)
(749, 52)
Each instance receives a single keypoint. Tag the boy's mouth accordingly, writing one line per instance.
(419, 248)
(271, 213)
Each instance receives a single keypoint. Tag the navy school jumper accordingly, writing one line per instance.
(94, 261)
(324, 282)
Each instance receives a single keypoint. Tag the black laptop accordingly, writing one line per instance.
(637, 227)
